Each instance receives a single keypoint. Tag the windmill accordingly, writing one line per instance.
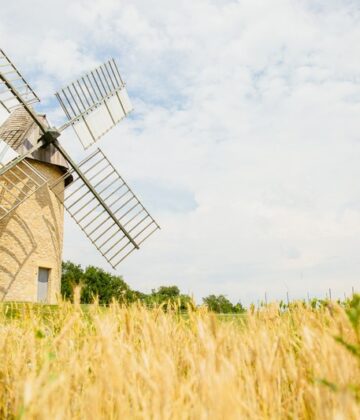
(38, 178)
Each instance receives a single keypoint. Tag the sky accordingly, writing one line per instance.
(244, 142)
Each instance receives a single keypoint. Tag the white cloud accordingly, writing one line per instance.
(62, 58)
(249, 109)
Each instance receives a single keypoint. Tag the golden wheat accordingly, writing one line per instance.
(132, 362)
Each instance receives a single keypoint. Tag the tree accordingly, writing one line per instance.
(72, 275)
(104, 285)
(168, 294)
(221, 304)
(239, 308)
(97, 283)
(94, 282)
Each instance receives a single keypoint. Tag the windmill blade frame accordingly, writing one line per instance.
(105, 207)
(19, 179)
(95, 103)
(10, 92)
(17, 81)
(17, 185)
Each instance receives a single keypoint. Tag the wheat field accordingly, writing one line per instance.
(120, 362)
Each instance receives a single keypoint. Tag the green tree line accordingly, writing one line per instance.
(94, 283)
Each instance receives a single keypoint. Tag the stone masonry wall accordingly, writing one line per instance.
(31, 237)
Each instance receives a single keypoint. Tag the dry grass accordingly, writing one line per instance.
(137, 363)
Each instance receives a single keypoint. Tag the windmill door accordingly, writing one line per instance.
(42, 285)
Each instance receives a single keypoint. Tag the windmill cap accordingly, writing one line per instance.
(21, 133)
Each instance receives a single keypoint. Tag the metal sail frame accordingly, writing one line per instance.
(95, 103)
(18, 178)
(9, 88)
(17, 185)
(13, 76)
(112, 89)
(109, 213)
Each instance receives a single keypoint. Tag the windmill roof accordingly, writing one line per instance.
(20, 132)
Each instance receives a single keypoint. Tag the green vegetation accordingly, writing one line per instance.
(221, 304)
(95, 283)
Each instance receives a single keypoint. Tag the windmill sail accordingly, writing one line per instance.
(10, 76)
(16, 97)
(19, 179)
(18, 183)
(95, 103)
(113, 219)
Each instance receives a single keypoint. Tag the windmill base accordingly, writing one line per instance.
(31, 241)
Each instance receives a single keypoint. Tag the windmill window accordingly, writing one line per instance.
(43, 284)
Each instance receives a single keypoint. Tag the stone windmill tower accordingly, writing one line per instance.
(30, 247)
(38, 179)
